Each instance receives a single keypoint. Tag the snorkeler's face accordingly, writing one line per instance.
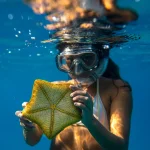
(78, 64)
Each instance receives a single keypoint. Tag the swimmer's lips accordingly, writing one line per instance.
(51, 107)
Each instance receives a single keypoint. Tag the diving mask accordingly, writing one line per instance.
(70, 62)
(76, 61)
(85, 58)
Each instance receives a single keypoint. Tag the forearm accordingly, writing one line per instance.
(105, 138)
(32, 136)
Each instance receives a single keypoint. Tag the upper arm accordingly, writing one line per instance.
(120, 113)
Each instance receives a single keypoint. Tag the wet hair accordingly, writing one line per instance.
(112, 70)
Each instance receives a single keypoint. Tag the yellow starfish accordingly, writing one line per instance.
(51, 107)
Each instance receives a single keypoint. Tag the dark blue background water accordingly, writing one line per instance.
(22, 60)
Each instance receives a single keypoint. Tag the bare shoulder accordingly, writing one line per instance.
(122, 85)
(121, 109)
(117, 82)
(114, 86)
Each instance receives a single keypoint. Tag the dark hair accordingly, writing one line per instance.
(112, 70)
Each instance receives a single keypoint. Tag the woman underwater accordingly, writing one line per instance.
(104, 98)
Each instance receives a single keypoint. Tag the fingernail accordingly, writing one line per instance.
(86, 98)
(17, 112)
(20, 115)
(71, 95)
(75, 104)
(24, 104)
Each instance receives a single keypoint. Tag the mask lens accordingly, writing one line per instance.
(89, 59)
(67, 62)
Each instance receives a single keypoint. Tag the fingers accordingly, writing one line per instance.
(81, 99)
(18, 114)
(21, 118)
(74, 88)
(24, 122)
(78, 92)
(24, 104)
(81, 106)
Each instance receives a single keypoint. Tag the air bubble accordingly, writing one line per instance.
(38, 54)
(10, 16)
(33, 38)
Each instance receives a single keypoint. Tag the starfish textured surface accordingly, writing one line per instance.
(51, 107)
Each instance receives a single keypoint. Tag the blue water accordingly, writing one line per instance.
(23, 59)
